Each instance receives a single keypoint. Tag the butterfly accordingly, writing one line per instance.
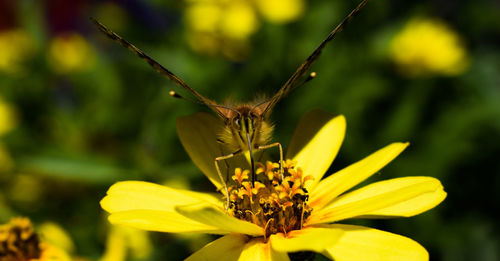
(247, 127)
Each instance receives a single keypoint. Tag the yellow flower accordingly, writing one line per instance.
(16, 46)
(223, 27)
(18, 241)
(297, 215)
(238, 20)
(281, 11)
(69, 53)
(7, 117)
(203, 16)
(220, 27)
(428, 46)
(231, 19)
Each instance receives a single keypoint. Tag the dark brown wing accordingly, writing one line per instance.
(159, 68)
(266, 107)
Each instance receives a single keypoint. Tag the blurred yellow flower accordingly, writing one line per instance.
(281, 11)
(7, 117)
(16, 47)
(203, 16)
(220, 27)
(282, 213)
(20, 232)
(123, 240)
(6, 162)
(426, 47)
(231, 19)
(69, 53)
(239, 20)
(224, 26)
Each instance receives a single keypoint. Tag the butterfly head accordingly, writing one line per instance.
(246, 129)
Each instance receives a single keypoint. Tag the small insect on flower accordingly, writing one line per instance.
(247, 126)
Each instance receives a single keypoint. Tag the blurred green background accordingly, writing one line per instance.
(78, 112)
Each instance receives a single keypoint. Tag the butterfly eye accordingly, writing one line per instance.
(237, 122)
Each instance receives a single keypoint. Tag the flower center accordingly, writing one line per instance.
(276, 202)
(18, 241)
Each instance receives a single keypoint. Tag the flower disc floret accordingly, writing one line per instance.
(18, 240)
(277, 205)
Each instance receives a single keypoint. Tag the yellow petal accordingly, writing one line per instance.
(256, 249)
(198, 134)
(135, 195)
(408, 208)
(334, 185)
(362, 243)
(315, 143)
(56, 235)
(392, 195)
(307, 239)
(162, 221)
(228, 248)
(216, 217)
(51, 252)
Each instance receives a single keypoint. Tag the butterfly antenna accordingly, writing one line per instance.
(311, 76)
(178, 96)
(304, 67)
(157, 66)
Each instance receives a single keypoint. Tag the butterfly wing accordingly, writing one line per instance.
(159, 68)
(292, 82)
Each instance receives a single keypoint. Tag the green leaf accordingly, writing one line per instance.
(77, 169)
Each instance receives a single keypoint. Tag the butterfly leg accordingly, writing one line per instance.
(276, 144)
(220, 173)
(225, 161)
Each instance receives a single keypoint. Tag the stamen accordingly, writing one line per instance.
(302, 215)
(277, 204)
(266, 226)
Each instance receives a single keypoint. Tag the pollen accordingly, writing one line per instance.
(277, 204)
(18, 241)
